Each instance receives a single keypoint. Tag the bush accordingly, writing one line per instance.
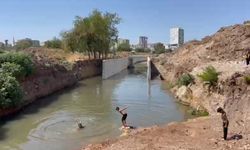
(198, 113)
(12, 68)
(185, 80)
(247, 79)
(10, 91)
(209, 76)
(21, 59)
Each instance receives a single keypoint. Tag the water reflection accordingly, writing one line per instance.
(149, 89)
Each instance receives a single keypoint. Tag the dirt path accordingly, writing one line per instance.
(196, 134)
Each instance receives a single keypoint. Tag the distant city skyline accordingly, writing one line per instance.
(43, 20)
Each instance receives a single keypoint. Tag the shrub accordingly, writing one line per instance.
(198, 113)
(21, 59)
(209, 76)
(10, 91)
(185, 80)
(247, 79)
(13, 69)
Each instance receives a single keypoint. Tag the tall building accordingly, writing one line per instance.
(14, 42)
(6, 43)
(143, 42)
(176, 37)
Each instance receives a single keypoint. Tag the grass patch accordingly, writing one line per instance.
(185, 80)
(198, 113)
(170, 85)
(247, 79)
(209, 76)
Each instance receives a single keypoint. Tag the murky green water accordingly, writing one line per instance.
(50, 124)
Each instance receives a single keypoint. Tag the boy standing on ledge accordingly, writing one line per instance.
(225, 121)
(124, 116)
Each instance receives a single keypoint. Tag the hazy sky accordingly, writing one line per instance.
(44, 19)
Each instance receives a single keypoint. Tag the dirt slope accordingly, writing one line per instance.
(196, 134)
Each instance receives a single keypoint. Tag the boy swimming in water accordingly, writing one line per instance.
(79, 124)
(124, 116)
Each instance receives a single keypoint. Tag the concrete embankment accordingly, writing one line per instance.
(48, 80)
(113, 66)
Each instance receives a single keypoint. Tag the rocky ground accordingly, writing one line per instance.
(225, 51)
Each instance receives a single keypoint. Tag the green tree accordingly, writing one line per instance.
(93, 35)
(10, 91)
(140, 50)
(23, 44)
(159, 48)
(54, 43)
(124, 47)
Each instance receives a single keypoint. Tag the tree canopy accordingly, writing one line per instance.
(93, 35)
(159, 48)
(54, 43)
(124, 47)
(23, 44)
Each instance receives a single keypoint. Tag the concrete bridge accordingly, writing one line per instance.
(135, 59)
(111, 67)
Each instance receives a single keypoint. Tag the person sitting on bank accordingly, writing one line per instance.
(124, 116)
(225, 122)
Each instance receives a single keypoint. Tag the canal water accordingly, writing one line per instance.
(50, 123)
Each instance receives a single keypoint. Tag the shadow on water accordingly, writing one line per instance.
(3, 132)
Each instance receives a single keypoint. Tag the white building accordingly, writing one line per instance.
(176, 37)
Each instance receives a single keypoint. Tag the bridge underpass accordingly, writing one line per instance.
(111, 67)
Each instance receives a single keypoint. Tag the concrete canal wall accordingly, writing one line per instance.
(111, 67)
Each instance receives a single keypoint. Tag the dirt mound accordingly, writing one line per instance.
(228, 44)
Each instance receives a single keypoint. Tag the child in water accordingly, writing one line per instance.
(124, 116)
(79, 124)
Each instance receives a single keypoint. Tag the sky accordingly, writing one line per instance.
(44, 19)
